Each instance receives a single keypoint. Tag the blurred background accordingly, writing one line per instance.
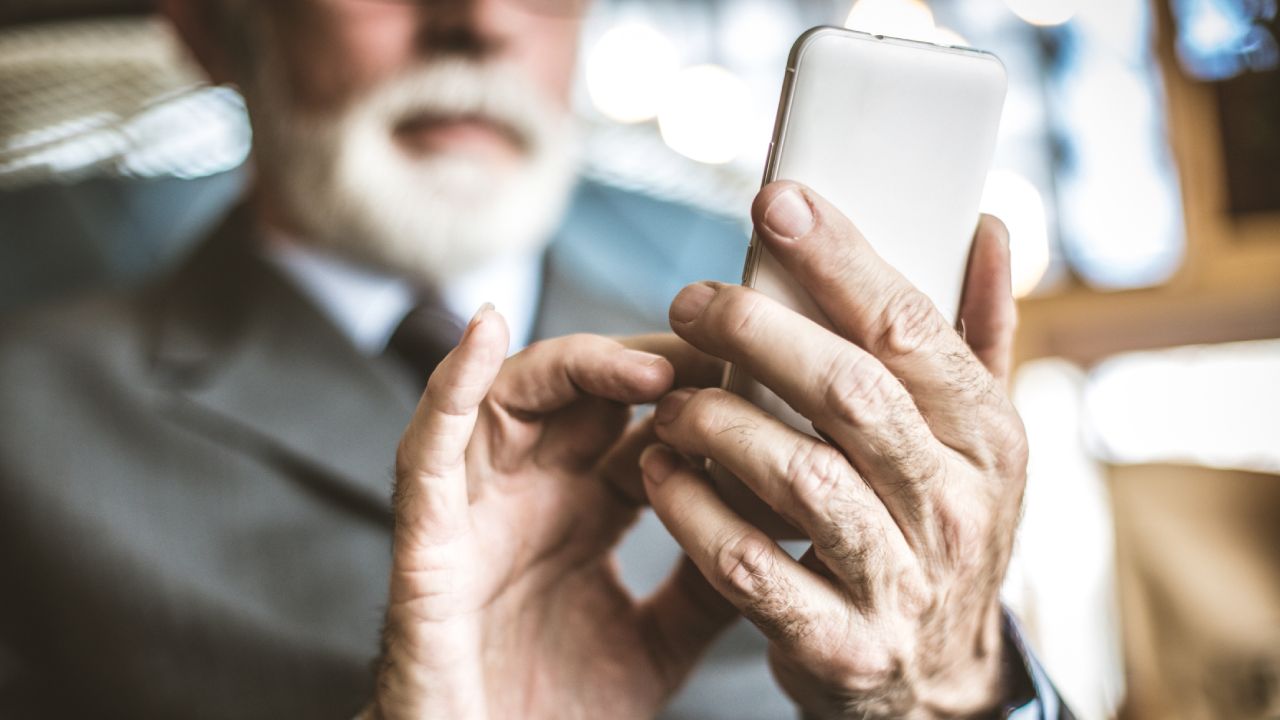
(1138, 170)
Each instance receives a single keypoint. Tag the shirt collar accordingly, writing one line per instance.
(367, 305)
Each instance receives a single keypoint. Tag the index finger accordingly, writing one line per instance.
(590, 380)
(871, 303)
(694, 368)
(551, 374)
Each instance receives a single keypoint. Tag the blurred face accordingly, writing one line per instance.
(425, 138)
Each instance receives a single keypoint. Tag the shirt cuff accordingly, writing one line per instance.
(1032, 694)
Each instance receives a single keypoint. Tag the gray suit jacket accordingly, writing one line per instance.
(194, 481)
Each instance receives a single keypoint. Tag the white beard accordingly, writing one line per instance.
(351, 190)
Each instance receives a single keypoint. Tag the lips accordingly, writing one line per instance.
(433, 133)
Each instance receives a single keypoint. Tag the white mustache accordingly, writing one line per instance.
(353, 190)
(460, 88)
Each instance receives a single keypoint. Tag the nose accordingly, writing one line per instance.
(473, 29)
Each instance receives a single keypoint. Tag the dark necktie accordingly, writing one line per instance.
(424, 337)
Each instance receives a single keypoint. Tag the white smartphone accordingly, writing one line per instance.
(899, 136)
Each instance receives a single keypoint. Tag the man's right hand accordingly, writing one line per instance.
(511, 492)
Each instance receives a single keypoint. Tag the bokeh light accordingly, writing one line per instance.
(1219, 40)
(629, 70)
(1044, 12)
(1118, 199)
(1015, 200)
(911, 19)
(702, 114)
(946, 36)
(1215, 406)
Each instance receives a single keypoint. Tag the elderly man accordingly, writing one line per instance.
(195, 506)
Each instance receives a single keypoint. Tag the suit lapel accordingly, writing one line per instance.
(258, 365)
(239, 346)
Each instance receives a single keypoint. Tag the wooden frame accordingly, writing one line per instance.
(1228, 287)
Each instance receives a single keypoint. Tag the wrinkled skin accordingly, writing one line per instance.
(911, 501)
(510, 497)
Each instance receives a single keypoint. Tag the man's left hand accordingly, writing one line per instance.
(912, 504)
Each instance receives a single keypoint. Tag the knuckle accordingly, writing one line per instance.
(913, 456)
(818, 476)
(747, 563)
(749, 567)
(1000, 447)
(909, 323)
(848, 540)
(858, 391)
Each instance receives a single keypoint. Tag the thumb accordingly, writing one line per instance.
(432, 665)
(988, 315)
(431, 502)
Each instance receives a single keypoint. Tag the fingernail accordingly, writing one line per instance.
(656, 464)
(640, 357)
(691, 301)
(789, 215)
(475, 320)
(669, 407)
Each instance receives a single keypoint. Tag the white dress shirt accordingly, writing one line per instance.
(367, 305)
